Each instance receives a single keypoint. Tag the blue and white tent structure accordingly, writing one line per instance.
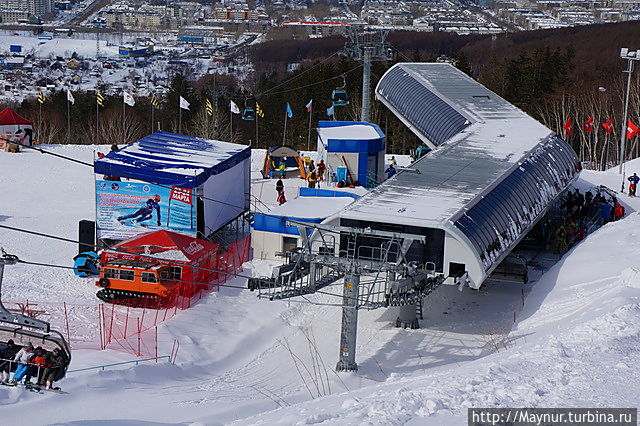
(492, 174)
(357, 145)
(168, 181)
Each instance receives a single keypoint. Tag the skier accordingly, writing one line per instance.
(321, 169)
(393, 160)
(55, 362)
(561, 239)
(605, 212)
(145, 212)
(5, 360)
(390, 171)
(282, 167)
(312, 178)
(578, 203)
(633, 184)
(36, 367)
(23, 357)
(279, 186)
(618, 210)
(312, 166)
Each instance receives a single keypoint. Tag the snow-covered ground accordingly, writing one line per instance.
(574, 343)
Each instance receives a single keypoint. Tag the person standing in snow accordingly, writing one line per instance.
(390, 171)
(321, 169)
(633, 184)
(282, 167)
(23, 357)
(312, 179)
(393, 160)
(279, 186)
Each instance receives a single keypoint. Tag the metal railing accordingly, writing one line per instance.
(136, 362)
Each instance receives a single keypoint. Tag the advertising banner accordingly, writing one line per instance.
(125, 209)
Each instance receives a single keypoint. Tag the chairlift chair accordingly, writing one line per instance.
(23, 329)
(339, 95)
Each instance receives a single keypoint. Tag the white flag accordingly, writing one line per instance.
(70, 97)
(234, 108)
(183, 103)
(128, 99)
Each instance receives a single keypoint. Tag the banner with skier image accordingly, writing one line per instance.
(125, 209)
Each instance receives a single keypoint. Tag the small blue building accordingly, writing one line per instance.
(353, 151)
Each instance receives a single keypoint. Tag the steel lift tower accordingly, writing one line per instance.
(372, 265)
(366, 46)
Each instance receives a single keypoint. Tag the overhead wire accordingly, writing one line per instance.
(298, 75)
(171, 262)
(107, 171)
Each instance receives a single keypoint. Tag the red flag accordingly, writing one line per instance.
(608, 126)
(567, 127)
(632, 129)
(588, 125)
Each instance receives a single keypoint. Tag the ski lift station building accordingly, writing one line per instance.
(360, 145)
(273, 233)
(491, 176)
(180, 183)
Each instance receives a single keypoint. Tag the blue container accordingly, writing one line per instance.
(15, 48)
(341, 174)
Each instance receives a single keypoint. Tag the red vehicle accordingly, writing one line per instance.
(152, 269)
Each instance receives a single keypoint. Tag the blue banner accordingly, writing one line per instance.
(125, 209)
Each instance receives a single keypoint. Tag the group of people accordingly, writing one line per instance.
(27, 363)
(582, 210)
(314, 176)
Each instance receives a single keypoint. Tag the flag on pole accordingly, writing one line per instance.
(41, 97)
(588, 125)
(330, 111)
(608, 126)
(632, 129)
(234, 108)
(154, 101)
(99, 98)
(128, 99)
(310, 106)
(289, 111)
(259, 111)
(183, 103)
(568, 127)
(208, 107)
(70, 97)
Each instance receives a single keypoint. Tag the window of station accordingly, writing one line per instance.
(457, 269)
(289, 243)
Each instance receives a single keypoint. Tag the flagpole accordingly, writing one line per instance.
(284, 134)
(231, 124)
(153, 108)
(124, 112)
(180, 119)
(309, 135)
(257, 145)
(68, 123)
(97, 106)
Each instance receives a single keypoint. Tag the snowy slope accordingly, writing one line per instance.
(574, 343)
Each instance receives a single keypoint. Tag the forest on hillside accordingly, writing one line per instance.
(551, 74)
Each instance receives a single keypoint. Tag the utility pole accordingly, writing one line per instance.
(367, 46)
(630, 56)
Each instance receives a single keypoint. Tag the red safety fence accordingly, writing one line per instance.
(129, 329)
(134, 329)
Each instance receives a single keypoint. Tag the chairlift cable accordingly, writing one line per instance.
(84, 163)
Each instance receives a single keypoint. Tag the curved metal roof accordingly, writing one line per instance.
(488, 180)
